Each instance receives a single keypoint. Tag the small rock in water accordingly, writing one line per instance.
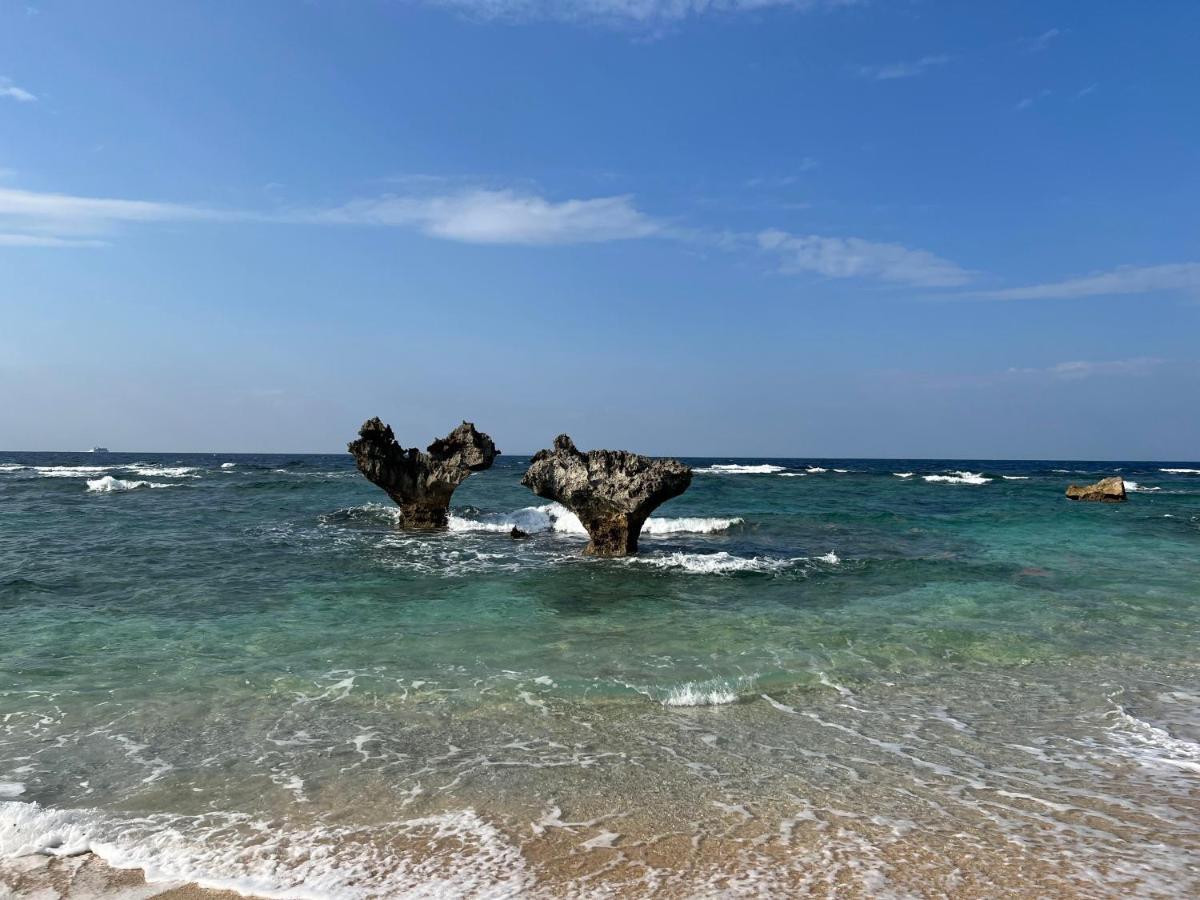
(1107, 490)
(518, 533)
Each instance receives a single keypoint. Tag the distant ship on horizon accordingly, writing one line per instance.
(98, 450)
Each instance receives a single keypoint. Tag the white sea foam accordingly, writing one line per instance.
(10, 467)
(70, 471)
(815, 470)
(701, 694)
(904, 474)
(959, 478)
(720, 563)
(832, 558)
(452, 854)
(557, 518)
(228, 465)
(1134, 488)
(108, 484)
(1015, 477)
(1152, 745)
(734, 469)
(1181, 471)
(9, 789)
(155, 471)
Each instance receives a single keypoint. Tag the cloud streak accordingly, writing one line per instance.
(480, 216)
(1184, 277)
(621, 12)
(892, 71)
(838, 257)
(501, 217)
(12, 92)
(1077, 370)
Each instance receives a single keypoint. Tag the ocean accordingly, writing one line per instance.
(909, 678)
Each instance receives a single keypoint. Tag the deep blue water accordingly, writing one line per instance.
(235, 669)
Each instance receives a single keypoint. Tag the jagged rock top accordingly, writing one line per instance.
(421, 483)
(618, 479)
(611, 491)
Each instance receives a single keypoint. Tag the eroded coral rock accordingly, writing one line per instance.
(421, 484)
(612, 492)
(1107, 490)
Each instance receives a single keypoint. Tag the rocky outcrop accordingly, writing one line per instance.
(421, 483)
(611, 491)
(1107, 490)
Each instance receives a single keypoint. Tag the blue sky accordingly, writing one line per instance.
(696, 227)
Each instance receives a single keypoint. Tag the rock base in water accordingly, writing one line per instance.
(1107, 490)
(421, 484)
(612, 492)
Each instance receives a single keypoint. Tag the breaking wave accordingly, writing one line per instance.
(720, 563)
(108, 484)
(1134, 488)
(448, 854)
(959, 478)
(733, 469)
(1181, 471)
(904, 474)
(153, 471)
(555, 517)
(1015, 477)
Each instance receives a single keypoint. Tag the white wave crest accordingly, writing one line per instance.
(704, 693)
(1134, 488)
(831, 557)
(557, 518)
(720, 563)
(1015, 477)
(959, 478)
(228, 465)
(815, 470)
(1153, 745)
(108, 484)
(904, 474)
(1181, 471)
(451, 854)
(151, 470)
(10, 467)
(734, 469)
(70, 471)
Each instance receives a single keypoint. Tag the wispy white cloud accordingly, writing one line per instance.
(837, 257)
(1183, 277)
(64, 215)
(500, 217)
(1042, 41)
(891, 71)
(1027, 102)
(1090, 89)
(43, 240)
(621, 12)
(1076, 370)
(807, 164)
(12, 92)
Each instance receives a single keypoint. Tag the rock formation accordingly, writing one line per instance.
(421, 483)
(611, 491)
(1107, 490)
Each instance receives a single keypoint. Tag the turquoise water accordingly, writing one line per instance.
(235, 670)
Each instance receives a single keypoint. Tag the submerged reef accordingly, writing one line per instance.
(1107, 490)
(421, 484)
(611, 491)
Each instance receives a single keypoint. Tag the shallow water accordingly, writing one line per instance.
(235, 670)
